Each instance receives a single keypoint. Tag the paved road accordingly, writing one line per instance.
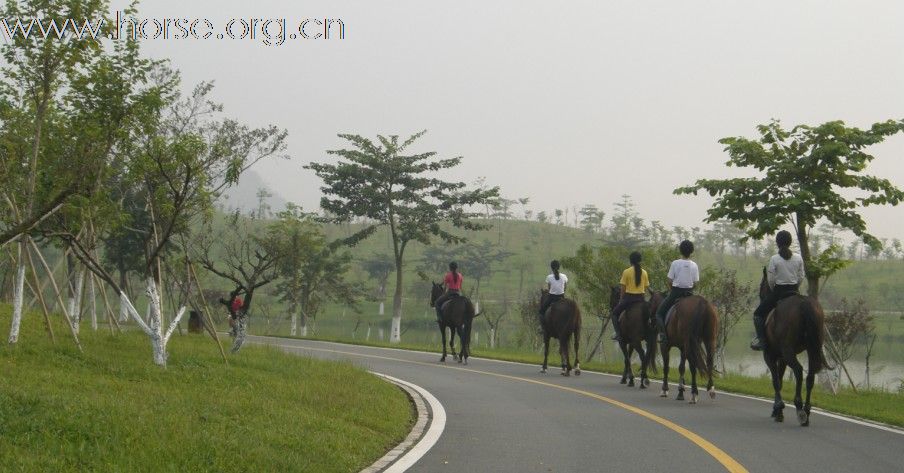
(508, 417)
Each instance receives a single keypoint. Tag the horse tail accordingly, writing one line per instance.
(695, 338)
(651, 339)
(814, 334)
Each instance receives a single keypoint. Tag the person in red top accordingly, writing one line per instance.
(236, 305)
(452, 283)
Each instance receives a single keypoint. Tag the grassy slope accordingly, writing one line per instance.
(880, 406)
(111, 409)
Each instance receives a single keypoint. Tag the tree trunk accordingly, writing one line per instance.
(123, 310)
(803, 241)
(304, 323)
(75, 302)
(18, 292)
(93, 301)
(493, 338)
(396, 329)
(293, 311)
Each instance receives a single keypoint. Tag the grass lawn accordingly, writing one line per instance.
(111, 409)
(881, 406)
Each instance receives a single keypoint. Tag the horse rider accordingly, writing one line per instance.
(555, 284)
(683, 276)
(633, 285)
(784, 273)
(452, 284)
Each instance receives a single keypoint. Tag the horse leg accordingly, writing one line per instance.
(665, 371)
(682, 359)
(624, 350)
(798, 370)
(452, 342)
(545, 352)
(565, 355)
(810, 378)
(710, 354)
(644, 382)
(442, 330)
(693, 364)
(465, 346)
(629, 367)
(577, 356)
(777, 369)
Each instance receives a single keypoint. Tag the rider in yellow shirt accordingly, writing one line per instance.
(634, 283)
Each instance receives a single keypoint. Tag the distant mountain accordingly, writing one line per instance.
(244, 195)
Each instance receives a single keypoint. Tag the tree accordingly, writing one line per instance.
(731, 299)
(379, 267)
(804, 175)
(378, 181)
(591, 218)
(249, 261)
(179, 163)
(625, 225)
(45, 123)
(847, 327)
(312, 271)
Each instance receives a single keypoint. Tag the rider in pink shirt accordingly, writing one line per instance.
(452, 283)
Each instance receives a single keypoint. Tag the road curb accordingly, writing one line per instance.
(431, 420)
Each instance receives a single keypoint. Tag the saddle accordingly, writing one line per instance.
(451, 298)
(671, 312)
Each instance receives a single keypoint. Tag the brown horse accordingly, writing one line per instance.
(694, 323)
(562, 320)
(637, 328)
(457, 315)
(796, 324)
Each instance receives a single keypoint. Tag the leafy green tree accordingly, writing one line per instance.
(732, 299)
(377, 180)
(804, 175)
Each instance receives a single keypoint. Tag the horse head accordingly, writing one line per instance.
(435, 292)
(656, 298)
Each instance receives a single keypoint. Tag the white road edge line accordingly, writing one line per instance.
(853, 420)
(437, 425)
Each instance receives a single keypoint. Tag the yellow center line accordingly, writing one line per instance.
(727, 461)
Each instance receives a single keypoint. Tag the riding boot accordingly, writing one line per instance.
(663, 336)
(616, 330)
(759, 323)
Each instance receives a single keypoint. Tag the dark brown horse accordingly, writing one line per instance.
(457, 315)
(693, 323)
(796, 324)
(637, 328)
(562, 321)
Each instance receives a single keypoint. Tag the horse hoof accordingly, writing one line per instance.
(631, 383)
(442, 360)
(664, 393)
(543, 370)
(680, 397)
(780, 417)
(466, 362)
(712, 393)
(577, 371)
(644, 383)
(803, 418)
(693, 399)
(566, 373)
(623, 381)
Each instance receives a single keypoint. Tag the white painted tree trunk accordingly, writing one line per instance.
(476, 307)
(368, 334)
(304, 330)
(153, 329)
(395, 335)
(18, 294)
(492, 338)
(92, 299)
(382, 308)
(241, 330)
(123, 312)
(75, 302)
(294, 330)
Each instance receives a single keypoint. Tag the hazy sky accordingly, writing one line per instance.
(567, 103)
